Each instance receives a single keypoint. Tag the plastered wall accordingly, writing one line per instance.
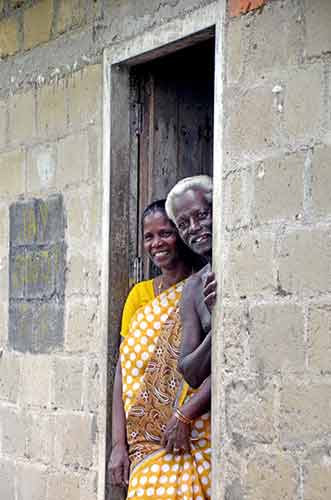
(273, 338)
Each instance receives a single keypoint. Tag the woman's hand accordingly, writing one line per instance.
(209, 291)
(176, 438)
(119, 466)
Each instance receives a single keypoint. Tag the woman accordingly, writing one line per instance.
(161, 428)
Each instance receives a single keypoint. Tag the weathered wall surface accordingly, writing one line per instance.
(53, 394)
(275, 367)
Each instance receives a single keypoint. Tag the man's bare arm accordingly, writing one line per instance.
(195, 357)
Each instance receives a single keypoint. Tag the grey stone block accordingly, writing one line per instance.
(50, 219)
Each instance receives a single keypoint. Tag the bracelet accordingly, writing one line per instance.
(182, 418)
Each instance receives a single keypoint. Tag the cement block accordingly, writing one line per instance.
(37, 24)
(18, 273)
(23, 223)
(304, 261)
(81, 329)
(45, 272)
(74, 440)
(250, 413)
(10, 372)
(40, 438)
(7, 480)
(77, 216)
(68, 385)
(234, 339)
(85, 95)
(69, 14)
(63, 486)
(250, 268)
(9, 44)
(279, 188)
(319, 327)
(82, 276)
(288, 48)
(31, 482)
(303, 103)
(251, 123)
(22, 113)
(34, 369)
(41, 168)
(14, 425)
(305, 412)
(12, 174)
(318, 20)
(37, 221)
(36, 327)
(52, 110)
(20, 325)
(238, 188)
(277, 338)
(321, 180)
(50, 219)
(72, 160)
(271, 473)
(3, 122)
(94, 11)
(317, 481)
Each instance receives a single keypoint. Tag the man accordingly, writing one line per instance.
(189, 206)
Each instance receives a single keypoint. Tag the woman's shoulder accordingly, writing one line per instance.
(141, 292)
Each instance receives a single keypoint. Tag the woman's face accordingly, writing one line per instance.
(160, 239)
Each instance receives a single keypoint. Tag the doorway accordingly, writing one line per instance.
(172, 124)
(161, 113)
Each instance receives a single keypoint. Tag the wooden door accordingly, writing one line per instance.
(174, 122)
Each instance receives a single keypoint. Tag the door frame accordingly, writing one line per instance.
(118, 150)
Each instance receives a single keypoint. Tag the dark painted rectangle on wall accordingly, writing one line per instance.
(36, 274)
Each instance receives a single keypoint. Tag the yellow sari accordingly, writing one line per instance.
(152, 388)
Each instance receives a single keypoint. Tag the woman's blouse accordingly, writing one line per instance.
(140, 294)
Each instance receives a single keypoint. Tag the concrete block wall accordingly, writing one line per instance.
(275, 364)
(52, 404)
(49, 421)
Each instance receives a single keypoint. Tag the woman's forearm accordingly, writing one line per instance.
(200, 402)
(196, 365)
(118, 414)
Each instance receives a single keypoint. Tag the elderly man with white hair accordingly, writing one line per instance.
(189, 206)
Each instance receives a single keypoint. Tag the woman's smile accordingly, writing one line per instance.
(160, 239)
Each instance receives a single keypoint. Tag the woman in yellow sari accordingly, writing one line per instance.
(161, 427)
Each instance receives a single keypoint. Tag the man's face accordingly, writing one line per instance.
(193, 214)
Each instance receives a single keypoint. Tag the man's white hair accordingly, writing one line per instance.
(198, 182)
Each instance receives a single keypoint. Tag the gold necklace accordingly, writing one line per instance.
(160, 285)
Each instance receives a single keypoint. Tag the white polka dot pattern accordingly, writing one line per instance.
(173, 477)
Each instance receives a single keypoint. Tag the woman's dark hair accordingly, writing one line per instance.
(184, 251)
(154, 207)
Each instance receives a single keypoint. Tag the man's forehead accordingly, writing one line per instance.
(192, 199)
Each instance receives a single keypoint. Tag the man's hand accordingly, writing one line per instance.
(210, 291)
(176, 438)
(119, 466)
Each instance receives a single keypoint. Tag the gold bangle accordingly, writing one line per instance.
(182, 418)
